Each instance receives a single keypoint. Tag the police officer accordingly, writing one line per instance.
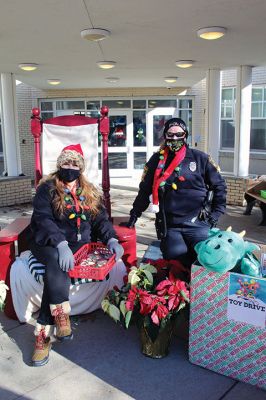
(176, 185)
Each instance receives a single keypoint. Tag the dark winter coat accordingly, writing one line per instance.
(198, 174)
(49, 229)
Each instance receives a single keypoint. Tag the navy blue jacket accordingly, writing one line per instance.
(185, 203)
(49, 229)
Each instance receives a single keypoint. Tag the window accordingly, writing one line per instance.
(1, 139)
(258, 134)
(228, 117)
(47, 109)
(185, 113)
(258, 119)
(139, 104)
(139, 128)
(47, 106)
(117, 103)
(161, 103)
(93, 109)
(47, 116)
(158, 126)
(116, 161)
(139, 160)
(70, 105)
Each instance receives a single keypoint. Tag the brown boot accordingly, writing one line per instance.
(42, 345)
(61, 312)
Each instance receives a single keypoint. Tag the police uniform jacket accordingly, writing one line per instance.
(49, 229)
(198, 174)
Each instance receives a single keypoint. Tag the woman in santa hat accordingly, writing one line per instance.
(67, 212)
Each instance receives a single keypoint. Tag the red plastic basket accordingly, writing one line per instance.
(89, 271)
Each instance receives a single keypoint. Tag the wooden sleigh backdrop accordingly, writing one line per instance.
(13, 237)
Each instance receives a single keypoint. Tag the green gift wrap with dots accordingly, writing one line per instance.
(231, 348)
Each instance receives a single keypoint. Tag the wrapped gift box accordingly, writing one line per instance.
(227, 325)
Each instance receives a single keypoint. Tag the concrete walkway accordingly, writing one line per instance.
(104, 360)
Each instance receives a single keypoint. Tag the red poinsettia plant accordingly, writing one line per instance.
(144, 297)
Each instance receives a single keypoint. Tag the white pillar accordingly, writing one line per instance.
(9, 125)
(242, 121)
(213, 109)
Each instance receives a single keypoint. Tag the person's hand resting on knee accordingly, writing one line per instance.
(65, 256)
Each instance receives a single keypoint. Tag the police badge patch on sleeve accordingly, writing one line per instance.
(216, 166)
(144, 173)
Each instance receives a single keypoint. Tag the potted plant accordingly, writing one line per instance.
(3, 290)
(153, 304)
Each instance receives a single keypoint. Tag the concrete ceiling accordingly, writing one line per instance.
(147, 37)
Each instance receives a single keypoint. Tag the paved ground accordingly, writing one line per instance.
(104, 361)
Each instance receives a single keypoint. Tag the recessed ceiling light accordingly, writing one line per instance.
(28, 66)
(95, 34)
(170, 79)
(112, 80)
(54, 81)
(184, 63)
(106, 64)
(211, 32)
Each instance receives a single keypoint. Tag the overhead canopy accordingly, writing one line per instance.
(147, 37)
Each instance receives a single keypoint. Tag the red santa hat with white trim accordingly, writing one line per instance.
(72, 153)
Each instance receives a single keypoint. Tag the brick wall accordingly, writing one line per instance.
(258, 77)
(228, 78)
(15, 191)
(236, 188)
(199, 93)
(26, 100)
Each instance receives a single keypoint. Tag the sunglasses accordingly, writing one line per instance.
(172, 134)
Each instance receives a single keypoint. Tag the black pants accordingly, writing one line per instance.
(180, 241)
(56, 281)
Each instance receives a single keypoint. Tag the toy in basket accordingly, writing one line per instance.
(93, 261)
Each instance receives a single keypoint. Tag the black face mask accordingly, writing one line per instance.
(68, 174)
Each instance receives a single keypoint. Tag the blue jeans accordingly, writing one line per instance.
(180, 241)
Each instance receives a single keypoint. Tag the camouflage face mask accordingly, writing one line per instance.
(175, 145)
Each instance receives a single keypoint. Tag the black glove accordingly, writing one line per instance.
(65, 256)
(213, 222)
(132, 220)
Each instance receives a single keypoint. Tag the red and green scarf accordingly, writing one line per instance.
(158, 178)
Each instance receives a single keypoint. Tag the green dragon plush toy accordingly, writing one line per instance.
(227, 250)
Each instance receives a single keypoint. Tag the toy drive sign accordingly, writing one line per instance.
(247, 299)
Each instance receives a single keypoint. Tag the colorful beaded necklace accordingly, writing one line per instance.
(75, 201)
(161, 175)
(180, 178)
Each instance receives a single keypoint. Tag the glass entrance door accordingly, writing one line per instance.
(120, 143)
(156, 121)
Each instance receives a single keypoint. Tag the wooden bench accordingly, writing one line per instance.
(252, 195)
